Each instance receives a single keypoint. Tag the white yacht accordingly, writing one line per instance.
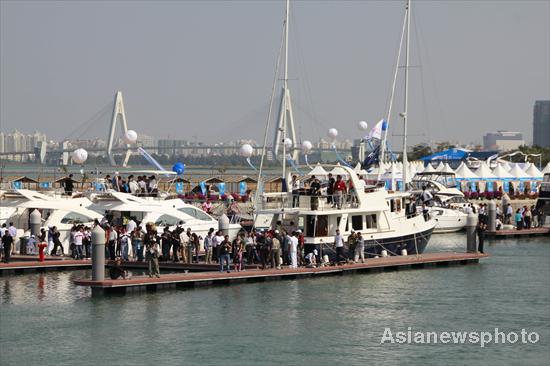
(57, 210)
(380, 216)
(118, 207)
(449, 202)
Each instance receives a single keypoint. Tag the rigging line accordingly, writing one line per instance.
(89, 120)
(269, 113)
(430, 73)
(422, 88)
(302, 65)
(93, 125)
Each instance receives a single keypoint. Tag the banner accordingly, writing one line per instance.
(179, 187)
(45, 184)
(473, 186)
(490, 186)
(16, 185)
(221, 188)
(202, 185)
(534, 187)
(242, 188)
(521, 186)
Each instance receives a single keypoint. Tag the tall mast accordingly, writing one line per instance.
(382, 154)
(284, 101)
(405, 160)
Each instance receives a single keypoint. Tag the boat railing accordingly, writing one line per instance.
(274, 201)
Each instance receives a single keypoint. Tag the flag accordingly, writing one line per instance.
(242, 188)
(376, 131)
(221, 188)
(203, 187)
(179, 187)
(372, 158)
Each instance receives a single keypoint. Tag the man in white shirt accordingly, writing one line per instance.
(131, 225)
(184, 243)
(293, 249)
(339, 245)
(78, 236)
(133, 185)
(12, 230)
(426, 196)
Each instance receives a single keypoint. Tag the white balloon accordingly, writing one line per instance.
(79, 156)
(307, 146)
(247, 150)
(332, 133)
(363, 125)
(288, 143)
(130, 137)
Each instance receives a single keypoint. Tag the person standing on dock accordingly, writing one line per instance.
(359, 249)
(166, 242)
(480, 230)
(7, 242)
(276, 251)
(175, 240)
(12, 230)
(184, 241)
(225, 249)
(137, 243)
(78, 237)
(339, 245)
(111, 244)
(352, 243)
(293, 248)
(152, 250)
(508, 216)
(208, 246)
(519, 219)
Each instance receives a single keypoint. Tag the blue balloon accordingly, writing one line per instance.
(178, 168)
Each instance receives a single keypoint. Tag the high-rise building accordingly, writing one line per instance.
(502, 140)
(541, 123)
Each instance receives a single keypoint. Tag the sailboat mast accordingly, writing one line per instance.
(285, 91)
(406, 106)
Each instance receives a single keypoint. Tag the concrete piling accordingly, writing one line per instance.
(98, 254)
(471, 224)
(35, 220)
(492, 213)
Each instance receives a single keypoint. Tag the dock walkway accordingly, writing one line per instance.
(506, 234)
(190, 280)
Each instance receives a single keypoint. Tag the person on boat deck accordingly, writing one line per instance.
(340, 190)
(425, 212)
(207, 206)
(426, 196)
(133, 185)
(339, 245)
(330, 189)
(315, 192)
(68, 185)
(295, 191)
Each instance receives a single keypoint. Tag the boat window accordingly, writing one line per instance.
(167, 220)
(310, 225)
(321, 228)
(392, 205)
(371, 221)
(398, 205)
(357, 222)
(75, 218)
(196, 213)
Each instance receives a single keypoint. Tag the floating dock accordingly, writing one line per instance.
(507, 234)
(18, 266)
(191, 280)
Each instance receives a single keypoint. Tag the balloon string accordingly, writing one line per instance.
(339, 157)
(293, 164)
(250, 163)
(307, 162)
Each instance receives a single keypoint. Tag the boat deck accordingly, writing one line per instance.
(191, 280)
(29, 264)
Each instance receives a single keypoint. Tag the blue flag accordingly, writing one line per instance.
(242, 188)
(16, 185)
(179, 187)
(221, 188)
(203, 187)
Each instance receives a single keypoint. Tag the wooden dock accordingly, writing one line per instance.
(27, 265)
(191, 280)
(508, 234)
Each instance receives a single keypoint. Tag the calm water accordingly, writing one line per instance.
(46, 320)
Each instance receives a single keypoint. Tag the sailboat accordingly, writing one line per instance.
(387, 221)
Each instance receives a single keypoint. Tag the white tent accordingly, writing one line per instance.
(440, 167)
(533, 172)
(463, 172)
(338, 170)
(447, 169)
(501, 173)
(428, 169)
(518, 173)
(484, 172)
(546, 169)
(318, 171)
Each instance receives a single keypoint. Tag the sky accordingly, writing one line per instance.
(203, 70)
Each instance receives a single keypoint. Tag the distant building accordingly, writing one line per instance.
(502, 140)
(541, 123)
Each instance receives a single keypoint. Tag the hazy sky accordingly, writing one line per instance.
(203, 70)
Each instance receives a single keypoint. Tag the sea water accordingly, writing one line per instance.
(46, 320)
